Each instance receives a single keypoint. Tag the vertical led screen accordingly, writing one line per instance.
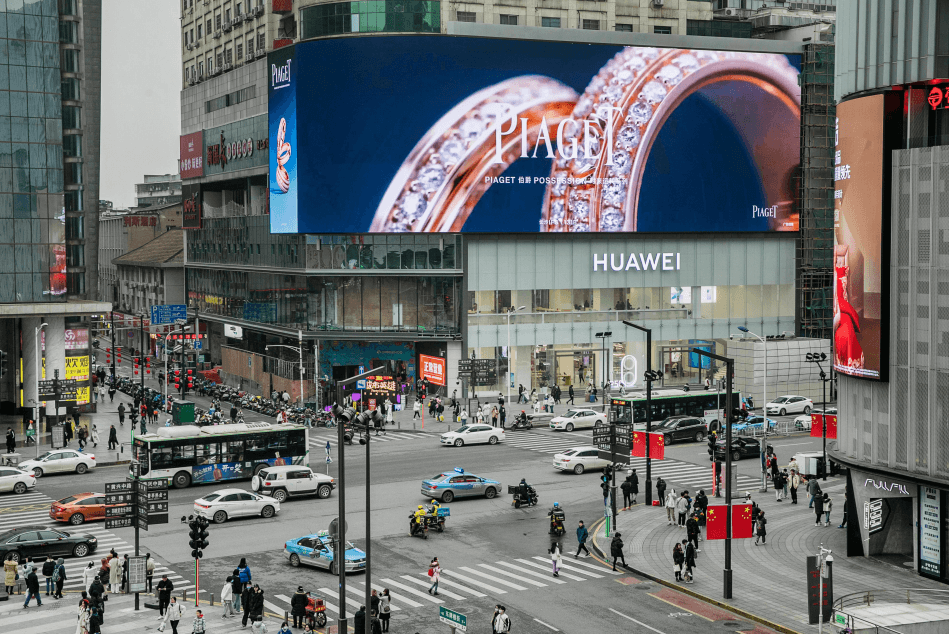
(426, 133)
(858, 237)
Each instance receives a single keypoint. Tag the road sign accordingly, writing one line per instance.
(327, 448)
(136, 572)
(618, 457)
(120, 487)
(120, 498)
(152, 485)
(168, 314)
(46, 389)
(126, 510)
(142, 522)
(119, 522)
(361, 384)
(456, 620)
(157, 507)
(154, 496)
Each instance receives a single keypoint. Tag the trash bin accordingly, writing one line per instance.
(182, 412)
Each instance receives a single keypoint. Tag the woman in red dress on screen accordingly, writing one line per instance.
(846, 322)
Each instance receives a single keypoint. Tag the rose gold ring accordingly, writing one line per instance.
(444, 176)
(624, 108)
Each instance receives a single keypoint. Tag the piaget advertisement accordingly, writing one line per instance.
(447, 134)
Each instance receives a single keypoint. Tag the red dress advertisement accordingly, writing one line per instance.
(846, 326)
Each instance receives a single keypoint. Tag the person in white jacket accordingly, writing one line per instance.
(227, 598)
(88, 575)
(682, 509)
(671, 507)
(173, 614)
(556, 559)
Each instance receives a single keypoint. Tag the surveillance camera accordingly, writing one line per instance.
(731, 337)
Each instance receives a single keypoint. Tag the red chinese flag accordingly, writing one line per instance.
(639, 444)
(657, 446)
(817, 423)
(741, 521)
(832, 426)
(715, 522)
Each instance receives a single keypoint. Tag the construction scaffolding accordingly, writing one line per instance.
(815, 245)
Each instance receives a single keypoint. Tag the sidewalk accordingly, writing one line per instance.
(767, 581)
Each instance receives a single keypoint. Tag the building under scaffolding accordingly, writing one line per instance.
(815, 247)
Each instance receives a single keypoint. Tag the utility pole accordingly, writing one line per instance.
(112, 328)
(141, 358)
(650, 376)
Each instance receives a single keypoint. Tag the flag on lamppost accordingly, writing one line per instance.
(716, 522)
(742, 526)
(817, 425)
(639, 444)
(657, 445)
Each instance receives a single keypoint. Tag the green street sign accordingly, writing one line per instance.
(840, 619)
(456, 620)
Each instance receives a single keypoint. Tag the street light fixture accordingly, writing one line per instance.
(764, 408)
(507, 379)
(299, 351)
(603, 336)
(818, 358)
(650, 376)
(36, 371)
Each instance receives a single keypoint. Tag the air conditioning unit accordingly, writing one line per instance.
(731, 11)
(259, 10)
(191, 81)
(217, 35)
(200, 76)
(249, 15)
(228, 66)
(657, 3)
(190, 47)
(227, 26)
(261, 52)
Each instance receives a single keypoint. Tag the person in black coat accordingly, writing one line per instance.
(298, 604)
(359, 619)
(634, 484)
(257, 604)
(661, 492)
(32, 588)
(616, 550)
(237, 587)
(689, 561)
(113, 438)
(246, 597)
(96, 590)
(692, 530)
(165, 586)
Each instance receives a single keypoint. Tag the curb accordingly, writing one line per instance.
(716, 602)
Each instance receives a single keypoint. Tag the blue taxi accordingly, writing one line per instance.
(451, 484)
(317, 550)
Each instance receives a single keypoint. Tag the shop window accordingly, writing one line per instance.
(662, 30)
(553, 23)
(504, 301)
(624, 28)
(540, 300)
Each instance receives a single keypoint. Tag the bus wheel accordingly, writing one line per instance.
(182, 480)
(259, 468)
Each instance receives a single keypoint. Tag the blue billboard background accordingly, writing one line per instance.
(282, 106)
(358, 106)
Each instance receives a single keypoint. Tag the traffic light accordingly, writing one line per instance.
(3, 363)
(712, 438)
(198, 536)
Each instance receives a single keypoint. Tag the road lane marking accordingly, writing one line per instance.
(508, 573)
(577, 570)
(648, 627)
(424, 584)
(508, 584)
(549, 567)
(475, 582)
(405, 588)
(545, 625)
(545, 577)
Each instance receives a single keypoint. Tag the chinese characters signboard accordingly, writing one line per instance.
(77, 338)
(191, 212)
(433, 369)
(191, 158)
(820, 597)
(930, 535)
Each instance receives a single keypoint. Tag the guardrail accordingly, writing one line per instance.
(899, 595)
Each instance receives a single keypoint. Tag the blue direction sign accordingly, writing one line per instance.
(167, 314)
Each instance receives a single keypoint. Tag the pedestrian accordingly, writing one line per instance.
(257, 608)
(60, 577)
(416, 410)
(813, 489)
(237, 586)
(49, 567)
(149, 572)
(174, 614)
(661, 491)
(774, 466)
(81, 437)
(246, 595)
(10, 574)
(113, 437)
(385, 608)
(792, 486)
(227, 599)
(298, 603)
(285, 629)
(30, 435)
(111, 392)
(121, 414)
(374, 603)
(115, 575)
(582, 536)
(761, 531)
(828, 505)
(634, 484)
(570, 395)
(197, 625)
(494, 416)
(144, 429)
(671, 507)
(11, 440)
(678, 558)
(555, 558)
(502, 622)
(95, 598)
(93, 435)
(843, 523)
(778, 480)
(434, 573)
(626, 488)
(359, 620)
(244, 571)
(125, 573)
(165, 586)
(82, 621)
(690, 551)
(32, 588)
(616, 550)
(682, 507)
(692, 530)
(89, 574)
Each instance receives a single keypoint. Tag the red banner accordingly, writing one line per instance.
(191, 156)
(741, 521)
(716, 523)
(639, 444)
(657, 445)
(433, 369)
(817, 426)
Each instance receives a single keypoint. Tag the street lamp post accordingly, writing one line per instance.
(650, 376)
(36, 370)
(507, 379)
(603, 336)
(764, 409)
(299, 351)
(818, 358)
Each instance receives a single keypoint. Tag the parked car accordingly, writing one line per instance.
(789, 405)
(577, 419)
(804, 421)
(16, 480)
(292, 480)
(473, 434)
(224, 504)
(79, 508)
(60, 461)
(687, 428)
(38, 542)
(579, 459)
(741, 448)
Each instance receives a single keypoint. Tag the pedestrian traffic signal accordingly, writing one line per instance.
(198, 536)
(3, 363)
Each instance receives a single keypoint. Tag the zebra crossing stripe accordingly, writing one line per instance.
(392, 607)
(549, 567)
(529, 572)
(451, 595)
(578, 562)
(335, 596)
(577, 570)
(508, 584)
(413, 591)
(506, 573)
(475, 582)
(453, 584)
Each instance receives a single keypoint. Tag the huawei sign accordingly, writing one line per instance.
(191, 156)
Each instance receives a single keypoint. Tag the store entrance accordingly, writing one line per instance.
(577, 368)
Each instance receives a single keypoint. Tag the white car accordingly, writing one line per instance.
(804, 422)
(286, 481)
(473, 434)
(13, 479)
(789, 405)
(227, 503)
(576, 419)
(60, 461)
(579, 459)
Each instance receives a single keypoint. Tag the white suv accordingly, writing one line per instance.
(292, 480)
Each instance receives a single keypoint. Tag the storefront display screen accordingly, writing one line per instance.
(930, 536)
(422, 133)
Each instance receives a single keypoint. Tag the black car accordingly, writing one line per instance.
(741, 448)
(38, 542)
(687, 428)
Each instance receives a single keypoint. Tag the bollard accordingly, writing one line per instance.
(286, 616)
(413, 425)
(211, 599)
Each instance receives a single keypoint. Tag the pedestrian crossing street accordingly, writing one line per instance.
(319, 440)
(677, 473)
(456, 584)
(32, 509)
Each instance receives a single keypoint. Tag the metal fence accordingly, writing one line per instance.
(899, 595)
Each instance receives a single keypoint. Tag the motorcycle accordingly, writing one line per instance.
(435, 517)
(522, 421)
(417, 529)
(519, 499)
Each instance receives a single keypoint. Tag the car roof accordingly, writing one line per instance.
(584, 448)
(284, 467)
(223, 491)
(83, 496)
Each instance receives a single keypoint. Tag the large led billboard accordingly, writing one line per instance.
(428, 133)
(859, 230)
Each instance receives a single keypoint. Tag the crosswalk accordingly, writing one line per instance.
(677, 473)
(32, 509)
(330, 436)
(456, 584)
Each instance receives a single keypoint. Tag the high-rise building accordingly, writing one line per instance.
(49, 173)
(158, 190)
